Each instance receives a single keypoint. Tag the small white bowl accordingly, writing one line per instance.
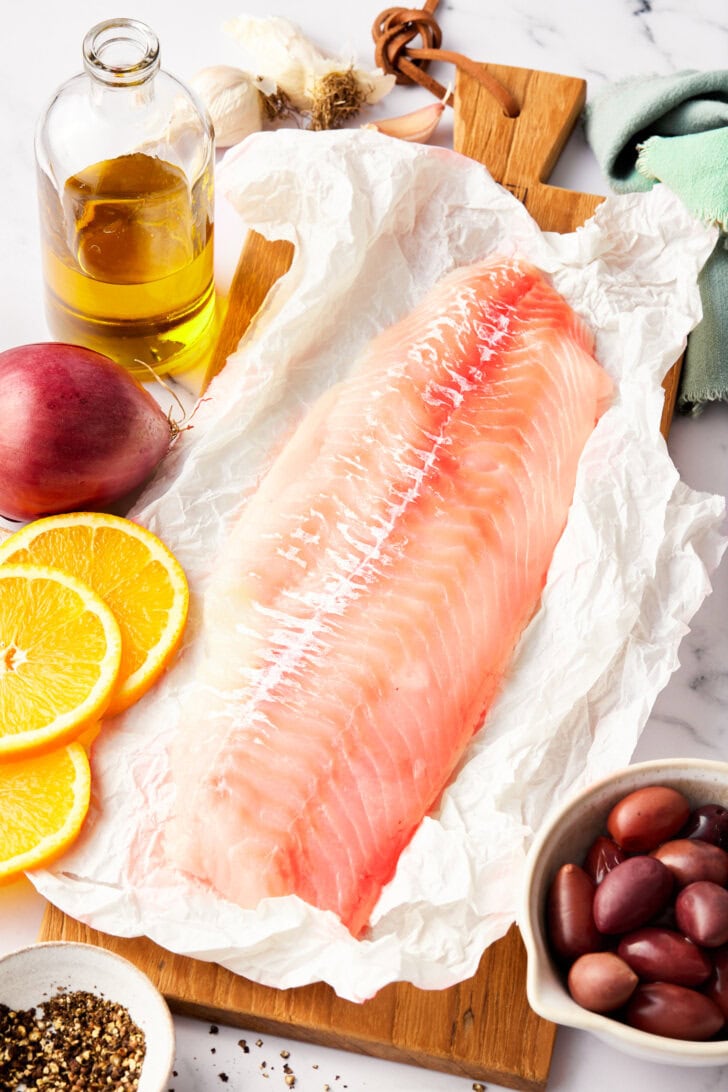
(565, 836)
(32, 975)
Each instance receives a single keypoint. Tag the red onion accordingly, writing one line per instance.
(77, 430)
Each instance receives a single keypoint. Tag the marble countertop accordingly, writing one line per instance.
(599, 42)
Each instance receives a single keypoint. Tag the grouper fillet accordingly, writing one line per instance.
(369, 598)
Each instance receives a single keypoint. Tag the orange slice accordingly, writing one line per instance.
(43, 803)
(131, 570)
(60, 652)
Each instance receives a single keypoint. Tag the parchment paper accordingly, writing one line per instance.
(375, 222)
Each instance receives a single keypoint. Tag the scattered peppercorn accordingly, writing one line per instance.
(74, 1042)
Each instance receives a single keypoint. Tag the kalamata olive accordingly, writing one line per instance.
(701, 911)
(662, 1008)
(664, 955)
(632, 893)
(709, 823)
(569, 917)
(646, 817)
(690, 859)
(716, 988)
(603, 855)
(601, 981)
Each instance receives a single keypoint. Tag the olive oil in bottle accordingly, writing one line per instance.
(127, 257)
(125, 184)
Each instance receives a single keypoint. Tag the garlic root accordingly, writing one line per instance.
(418, 126)
(327, 89)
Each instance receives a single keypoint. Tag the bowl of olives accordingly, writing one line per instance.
(625, 912)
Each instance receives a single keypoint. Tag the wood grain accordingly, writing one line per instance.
(483, 1028)
(260, 265)
(520, 153)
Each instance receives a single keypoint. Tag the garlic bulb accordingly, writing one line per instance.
(327, 88)
(234, 101)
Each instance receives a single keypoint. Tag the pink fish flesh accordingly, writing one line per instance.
(370, 596)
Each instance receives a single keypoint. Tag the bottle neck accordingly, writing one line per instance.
(121, 53)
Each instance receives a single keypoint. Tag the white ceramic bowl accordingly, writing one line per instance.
(565, 836)
(32, 975)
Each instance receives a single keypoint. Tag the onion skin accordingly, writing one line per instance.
(78, 432)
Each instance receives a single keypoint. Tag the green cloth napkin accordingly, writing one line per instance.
(674, 129)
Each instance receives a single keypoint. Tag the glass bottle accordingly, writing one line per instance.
(125, 161)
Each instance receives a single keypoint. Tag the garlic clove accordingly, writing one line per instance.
(419, 125)
(233, 100)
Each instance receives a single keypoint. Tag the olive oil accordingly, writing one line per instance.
(128, 262)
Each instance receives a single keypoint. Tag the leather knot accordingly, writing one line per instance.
(394, 30)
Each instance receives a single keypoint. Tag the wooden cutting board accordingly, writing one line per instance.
(484, 1028)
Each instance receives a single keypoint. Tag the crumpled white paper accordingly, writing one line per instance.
(375, 223)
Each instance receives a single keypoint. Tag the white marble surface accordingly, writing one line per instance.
(600, 42)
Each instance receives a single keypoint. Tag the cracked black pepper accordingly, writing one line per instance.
(75, 1042)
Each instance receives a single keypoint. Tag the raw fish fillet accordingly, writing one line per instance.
(371, 595)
